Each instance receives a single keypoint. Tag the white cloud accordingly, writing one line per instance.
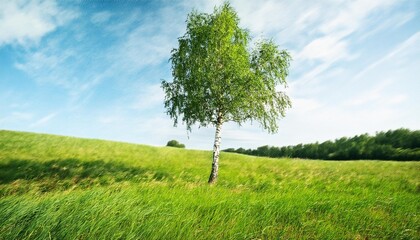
(398, 99)
(16, 117)
(79, 65)
(151, 42)
(125, 21)
(391, 23)
(200, 5)
(21, 115)
(144, 47)
(42, 121)
(262, 16)
(335, 27)
(149, 97)
(379, 95)
(305, 105)
(352, 16)
(373, 95)
(77, 68)
(327, 49)
(101, 17)
(389, 102)
(23, 22)
(409, 46)
(53, 65)
(47, 60)
(109, 120)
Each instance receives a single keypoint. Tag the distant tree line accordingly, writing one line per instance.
(401, 144)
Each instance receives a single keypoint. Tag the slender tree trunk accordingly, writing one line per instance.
(216, 152)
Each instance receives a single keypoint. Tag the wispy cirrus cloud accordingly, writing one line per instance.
(335, 27)
(80, 62)
(149, 97)
(101, 17)
(409, 46)
(150, 42)
(325, 49)
(43, 121)
(69, 68)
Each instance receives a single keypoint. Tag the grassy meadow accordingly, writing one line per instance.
(54, 187)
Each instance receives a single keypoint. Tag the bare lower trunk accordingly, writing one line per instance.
(216, 153)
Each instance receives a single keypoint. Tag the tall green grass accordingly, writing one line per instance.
(54, 187)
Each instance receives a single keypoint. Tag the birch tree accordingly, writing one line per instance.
(218, 78)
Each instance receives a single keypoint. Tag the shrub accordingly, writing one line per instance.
(175, 143)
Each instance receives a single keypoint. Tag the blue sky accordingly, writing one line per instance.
(93, 68)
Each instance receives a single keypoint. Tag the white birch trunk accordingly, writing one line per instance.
(216, 152)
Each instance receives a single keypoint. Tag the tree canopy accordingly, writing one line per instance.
(216, 75)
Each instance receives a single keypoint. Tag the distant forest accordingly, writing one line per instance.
(401, 144)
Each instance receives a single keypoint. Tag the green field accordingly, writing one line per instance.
(54, 187)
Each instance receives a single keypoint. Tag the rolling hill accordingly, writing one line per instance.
(56, 187)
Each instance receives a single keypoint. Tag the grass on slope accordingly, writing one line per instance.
(54, 187)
